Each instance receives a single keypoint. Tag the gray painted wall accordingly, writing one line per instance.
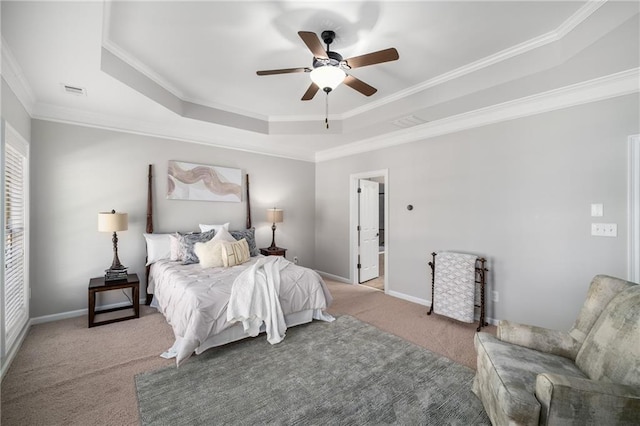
(77, 172)
(517, 193)
(14, 113)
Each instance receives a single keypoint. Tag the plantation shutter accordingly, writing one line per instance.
(16, 287)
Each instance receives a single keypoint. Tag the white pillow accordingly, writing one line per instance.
(210, 252)
(224, 235)
(158, 247)
(217, 228)
(235, 253)
(174, 242)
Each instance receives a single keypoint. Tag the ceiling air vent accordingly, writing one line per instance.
(74, 90)
(408, 121)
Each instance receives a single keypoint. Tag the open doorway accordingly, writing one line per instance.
(369, 224)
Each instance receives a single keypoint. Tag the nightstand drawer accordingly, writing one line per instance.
(274, 251)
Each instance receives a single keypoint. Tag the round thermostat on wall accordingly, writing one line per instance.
(409, 207)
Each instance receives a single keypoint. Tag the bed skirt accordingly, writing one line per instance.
(236, 332)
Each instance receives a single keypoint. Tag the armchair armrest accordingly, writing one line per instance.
(538, 338)
(573, 400)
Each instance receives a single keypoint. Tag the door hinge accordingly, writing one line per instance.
(359, 266)
(358, 228)
(359, 190)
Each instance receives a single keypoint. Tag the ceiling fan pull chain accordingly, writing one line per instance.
(326, 110)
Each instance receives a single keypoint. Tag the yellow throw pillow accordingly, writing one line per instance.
(235, 253)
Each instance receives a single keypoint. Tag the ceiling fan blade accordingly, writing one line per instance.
(283, 71)
(378, 57)
(359, 85)
(313, 43)
(311, 92)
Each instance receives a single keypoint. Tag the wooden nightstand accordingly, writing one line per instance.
(275, 251)
(98, 284)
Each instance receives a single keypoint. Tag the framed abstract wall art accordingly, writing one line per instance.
(189, 181)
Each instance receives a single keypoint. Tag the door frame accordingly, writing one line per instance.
(353, 223)
(634, 209)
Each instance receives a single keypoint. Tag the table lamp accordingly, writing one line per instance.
(274, 216)
(113, 222)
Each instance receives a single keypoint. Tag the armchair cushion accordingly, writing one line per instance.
(506, 378)
(571, 400)
(539, 338)
(603, 288)
(611, 350)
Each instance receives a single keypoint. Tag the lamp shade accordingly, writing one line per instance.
(112, 221)
(327, 76)
(275, 215)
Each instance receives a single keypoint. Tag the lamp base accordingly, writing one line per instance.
(273, 238)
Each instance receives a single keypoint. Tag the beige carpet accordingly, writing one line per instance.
(67, 374)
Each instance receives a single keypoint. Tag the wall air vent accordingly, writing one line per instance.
(408, 121)
(74, 90)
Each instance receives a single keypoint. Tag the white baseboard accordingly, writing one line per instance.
(78, 313)
(419, 301)
(492, 321)
(413, 299)
(427, 303)
(60, 316)
(334, 277)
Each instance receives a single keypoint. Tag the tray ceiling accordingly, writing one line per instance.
(192, 65)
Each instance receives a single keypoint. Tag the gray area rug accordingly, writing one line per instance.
(345, 372)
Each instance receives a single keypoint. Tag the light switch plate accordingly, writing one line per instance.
(597, 210)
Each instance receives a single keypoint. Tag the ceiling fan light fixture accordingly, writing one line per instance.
(327, 77)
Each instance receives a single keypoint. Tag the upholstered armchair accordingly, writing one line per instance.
(590, 375)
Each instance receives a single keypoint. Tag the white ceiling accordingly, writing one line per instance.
(188, 69)
(210, 52)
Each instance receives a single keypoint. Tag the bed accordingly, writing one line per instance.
(212, 306)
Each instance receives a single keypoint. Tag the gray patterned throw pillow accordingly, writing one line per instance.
(250, 236)
(188, 242)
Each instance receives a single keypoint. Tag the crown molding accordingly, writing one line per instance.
(149, 73)
(14, 76)
(578, 17)
(121, 54)
(171, 131)
(552, 36)
(618, 84)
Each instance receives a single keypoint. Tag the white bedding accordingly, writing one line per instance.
(195, 300)
(254, 299)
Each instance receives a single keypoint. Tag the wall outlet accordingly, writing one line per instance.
(604, 229)
(495, 296)
(295, 259)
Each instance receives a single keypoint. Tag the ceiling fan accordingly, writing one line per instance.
(329, 69)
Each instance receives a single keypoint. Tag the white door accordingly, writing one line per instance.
(368, 235)
(634, 208)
